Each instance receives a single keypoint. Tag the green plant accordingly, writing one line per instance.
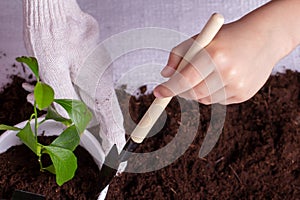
(64, 162)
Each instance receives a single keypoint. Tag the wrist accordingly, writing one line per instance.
(282, 15)
(276, 25)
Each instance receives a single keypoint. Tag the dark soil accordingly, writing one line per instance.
(20, 170)
(14, 107)
(256, 157)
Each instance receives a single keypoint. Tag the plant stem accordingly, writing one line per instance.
(36, 134)
(40, 162)
(35, 122)
(39, 154)
(31, 116)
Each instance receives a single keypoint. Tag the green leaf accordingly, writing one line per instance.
(68, 139)
(43, 95)
(64, 161)
(32, 63)
(53, 114)
(4, 127)
(78, 112)
(50, 169)
(27, 137)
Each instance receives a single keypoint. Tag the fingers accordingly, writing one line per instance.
(176, 56)
(243, 63)
(203, 81)
(212, 83)
(220, 95)
(229, 93)
(172, 64)
(191, 75)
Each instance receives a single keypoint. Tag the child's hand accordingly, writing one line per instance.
(236, 64)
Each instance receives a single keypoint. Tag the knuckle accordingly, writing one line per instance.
(229, 72)
(239, 86)
(177, 50)
(220, 57)
(224, 64)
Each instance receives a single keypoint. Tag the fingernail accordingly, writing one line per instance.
(157, 94)
(167, 71)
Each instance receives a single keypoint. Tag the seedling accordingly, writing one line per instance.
(64, 162)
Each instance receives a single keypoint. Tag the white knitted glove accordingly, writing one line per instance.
(60, 35)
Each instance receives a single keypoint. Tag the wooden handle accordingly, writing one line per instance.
(158, 106)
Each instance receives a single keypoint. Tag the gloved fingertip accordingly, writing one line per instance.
(30, 98)
(28, 87)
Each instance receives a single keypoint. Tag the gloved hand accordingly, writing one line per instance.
(60, 35)
(239, 60)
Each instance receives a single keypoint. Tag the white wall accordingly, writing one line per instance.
(115, 16)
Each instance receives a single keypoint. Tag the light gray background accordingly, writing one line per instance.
(115, 16)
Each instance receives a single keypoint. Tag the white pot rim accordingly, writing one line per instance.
(87, 141)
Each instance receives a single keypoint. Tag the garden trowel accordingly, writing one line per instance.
(113, 159)
(24, 195)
